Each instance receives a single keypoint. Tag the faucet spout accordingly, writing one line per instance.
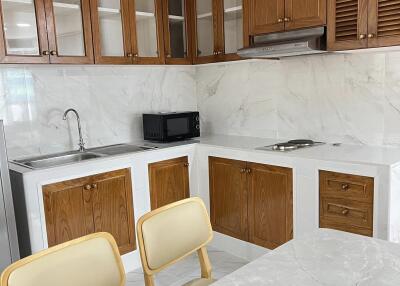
(65, 117)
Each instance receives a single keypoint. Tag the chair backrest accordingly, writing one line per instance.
(173, 232)
(92, 260)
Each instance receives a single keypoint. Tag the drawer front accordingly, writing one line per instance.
(346, 212)
(346, 186)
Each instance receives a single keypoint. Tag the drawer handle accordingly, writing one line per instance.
(345, 187)
(345, 211)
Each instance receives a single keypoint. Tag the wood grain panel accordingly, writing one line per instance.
(270, 205)
(228, 197)
(113, 207)
(383, 23)
(305, 14)
(265, 15)
(347, 24)
(169, 181)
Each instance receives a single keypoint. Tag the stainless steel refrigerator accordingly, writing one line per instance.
(9, 251)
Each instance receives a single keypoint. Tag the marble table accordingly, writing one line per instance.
(325, 257)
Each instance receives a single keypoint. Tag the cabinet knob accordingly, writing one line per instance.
(186, 164)
(87, 187)
(345, 211)
(169, 55)
(136, 55)
(345, 187)
(370, 36)
(287, 19)
(362, 36)
(53, 53)
(129, 55)
(248, 171)
(46, 53)
(242, 170)
(94, 186)
(280, 20)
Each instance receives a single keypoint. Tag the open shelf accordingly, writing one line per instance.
(229, 12)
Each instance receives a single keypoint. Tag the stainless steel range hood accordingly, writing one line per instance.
(287, 44)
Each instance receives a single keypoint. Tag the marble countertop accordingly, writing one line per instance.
(325, 257)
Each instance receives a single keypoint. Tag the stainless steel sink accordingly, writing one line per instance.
(120, 149)
(57, 159)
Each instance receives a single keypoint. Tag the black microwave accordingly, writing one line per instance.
(168, 127)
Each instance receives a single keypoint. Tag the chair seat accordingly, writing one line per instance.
(200, 282)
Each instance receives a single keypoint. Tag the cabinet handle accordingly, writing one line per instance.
(87, 187)
(287, 19)
(46, 53)
(370, 36)
(345, 211)
(362, 36)
(345, 187)
(53, 53)
(129, 55)
(242, 170)
(248, 171)
(94, 186)
(280, 20)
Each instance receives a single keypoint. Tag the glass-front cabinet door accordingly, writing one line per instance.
(69, 31)
(233, 27)
(23, 34)
(206, 32)
(147, 39)
(111, 31)
(176, 26)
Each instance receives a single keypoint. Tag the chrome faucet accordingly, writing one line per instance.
(65, 117)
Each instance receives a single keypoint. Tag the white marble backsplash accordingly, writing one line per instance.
(351, 98)
(110, 100)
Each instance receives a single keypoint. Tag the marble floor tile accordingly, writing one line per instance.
(178, 274)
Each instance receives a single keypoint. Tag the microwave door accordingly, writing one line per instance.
(178, 127)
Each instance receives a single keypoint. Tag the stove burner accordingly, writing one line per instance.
(302, 142)
(285, 146)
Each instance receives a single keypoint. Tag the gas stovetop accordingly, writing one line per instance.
(291, 145)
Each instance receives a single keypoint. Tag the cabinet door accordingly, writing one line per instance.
(233, 28)
(23, 34)
(383, 23)
(69, 31)
(206, 28)
(267, 16)
(304, 14)
(347, 24)
(147, 31)
(176, 31)
(111, 31)
(228, 197)
(270, 205)
(113, 207)
(68, 210)
(169, 181)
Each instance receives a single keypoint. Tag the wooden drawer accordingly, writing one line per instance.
(346, 213)
(346, 186)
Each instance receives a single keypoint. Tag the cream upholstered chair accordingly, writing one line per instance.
(92, 260)
(172, 232)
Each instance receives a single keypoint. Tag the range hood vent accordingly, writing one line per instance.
(287, 44)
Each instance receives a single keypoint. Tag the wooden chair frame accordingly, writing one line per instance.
(10, 269)
(201, 250)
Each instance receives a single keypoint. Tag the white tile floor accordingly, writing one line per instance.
(178, 274)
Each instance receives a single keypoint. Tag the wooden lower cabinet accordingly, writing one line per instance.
(169, 181)
(346, 202)
(251, 202)
(91, 204)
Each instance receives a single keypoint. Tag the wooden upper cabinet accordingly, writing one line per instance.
(23, 35)
(91, 204)
(267, 16)
(383, 23)
(270, 205)
(69, 31)
(169, 181)
(228, 197)
(177, 31)
(111, 31)
(305, 13)
(347, 24)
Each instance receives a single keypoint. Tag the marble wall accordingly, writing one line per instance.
(351, 98)
(110, 100)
